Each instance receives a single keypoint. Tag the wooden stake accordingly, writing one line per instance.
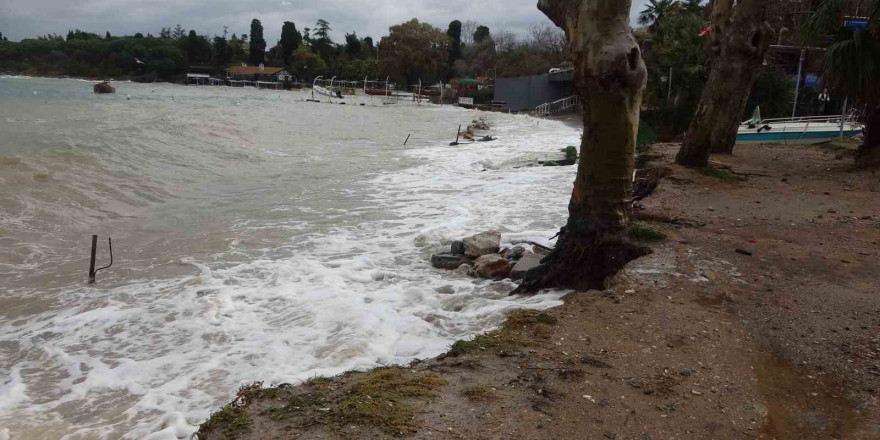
(92, 261)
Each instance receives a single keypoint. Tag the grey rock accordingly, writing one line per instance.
(492, 266)
(488, 242)
(447, 289)
(514, 254)
(457, 247)
(449, 261)
(528, 262)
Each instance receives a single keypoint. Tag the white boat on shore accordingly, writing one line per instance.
(807, 130)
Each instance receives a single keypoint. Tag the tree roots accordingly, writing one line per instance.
(582, 260)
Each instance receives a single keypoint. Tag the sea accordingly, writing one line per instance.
(256, 236)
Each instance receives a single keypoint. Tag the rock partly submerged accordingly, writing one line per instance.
(488, 242)
(492, 266)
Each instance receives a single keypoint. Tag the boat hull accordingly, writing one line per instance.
(323, 91)
(377, 92)
(796, 134)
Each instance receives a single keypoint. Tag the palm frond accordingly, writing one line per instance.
(825, 18)
(852, 65)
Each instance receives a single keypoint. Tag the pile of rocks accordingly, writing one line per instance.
(481, 256)
(477, 124)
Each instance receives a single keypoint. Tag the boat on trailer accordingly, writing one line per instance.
(807, 130)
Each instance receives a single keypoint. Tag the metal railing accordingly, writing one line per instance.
(558, 106)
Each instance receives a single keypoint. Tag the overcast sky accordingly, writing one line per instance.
(30, 18)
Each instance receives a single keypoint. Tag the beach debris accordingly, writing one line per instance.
(104, 87)
(479, 124)
(457, 134)
(484, 243)
(744, 252)
(486, 138)
(492, 266)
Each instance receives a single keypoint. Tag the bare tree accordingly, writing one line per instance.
(549, 39)
(505, 40)
(611, 76)
(467, 32)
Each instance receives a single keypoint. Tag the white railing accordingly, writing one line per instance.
(851, 117)
(557, 106)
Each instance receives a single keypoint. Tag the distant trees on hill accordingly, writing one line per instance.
(468, 49)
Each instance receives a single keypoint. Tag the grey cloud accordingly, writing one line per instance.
(30, 18)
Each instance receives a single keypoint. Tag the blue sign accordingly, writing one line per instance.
(856, 24)
(811, 80)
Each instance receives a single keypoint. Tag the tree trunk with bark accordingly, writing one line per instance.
(739, 41)
(611, 76)
(868, 155)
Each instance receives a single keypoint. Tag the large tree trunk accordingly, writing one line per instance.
(611, 76)
(740, 39)
(868, 155)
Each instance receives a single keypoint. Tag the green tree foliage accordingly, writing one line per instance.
(222, 53)
(81, 35)
(655, 10)
(353, 46)
(239, 48)
(852, 59)
(198, 49)
(322, 29)
(258, 43)
(369, 48)
(414, 51)
(675, 42)
(321, 42)
(852, 64)
(481, 34)
(306, 65)
(178, 33)
(291, 40)
(454, 33)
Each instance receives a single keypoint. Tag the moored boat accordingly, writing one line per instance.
(806, 130)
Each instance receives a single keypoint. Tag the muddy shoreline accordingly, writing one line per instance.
(757, 317)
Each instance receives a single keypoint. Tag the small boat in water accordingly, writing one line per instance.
(104, 87)
(807, 130)
(327, 92)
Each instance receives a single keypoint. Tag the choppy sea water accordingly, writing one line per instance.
(256, 236)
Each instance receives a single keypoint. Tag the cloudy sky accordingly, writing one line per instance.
(30, 18)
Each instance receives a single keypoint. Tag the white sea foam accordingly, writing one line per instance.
(351, 289)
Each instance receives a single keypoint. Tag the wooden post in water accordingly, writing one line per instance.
(92, 260)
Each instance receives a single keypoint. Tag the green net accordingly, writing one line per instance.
(646, 136)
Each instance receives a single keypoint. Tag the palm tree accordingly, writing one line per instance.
(852, 65)
(655, 10)
(692, 6)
